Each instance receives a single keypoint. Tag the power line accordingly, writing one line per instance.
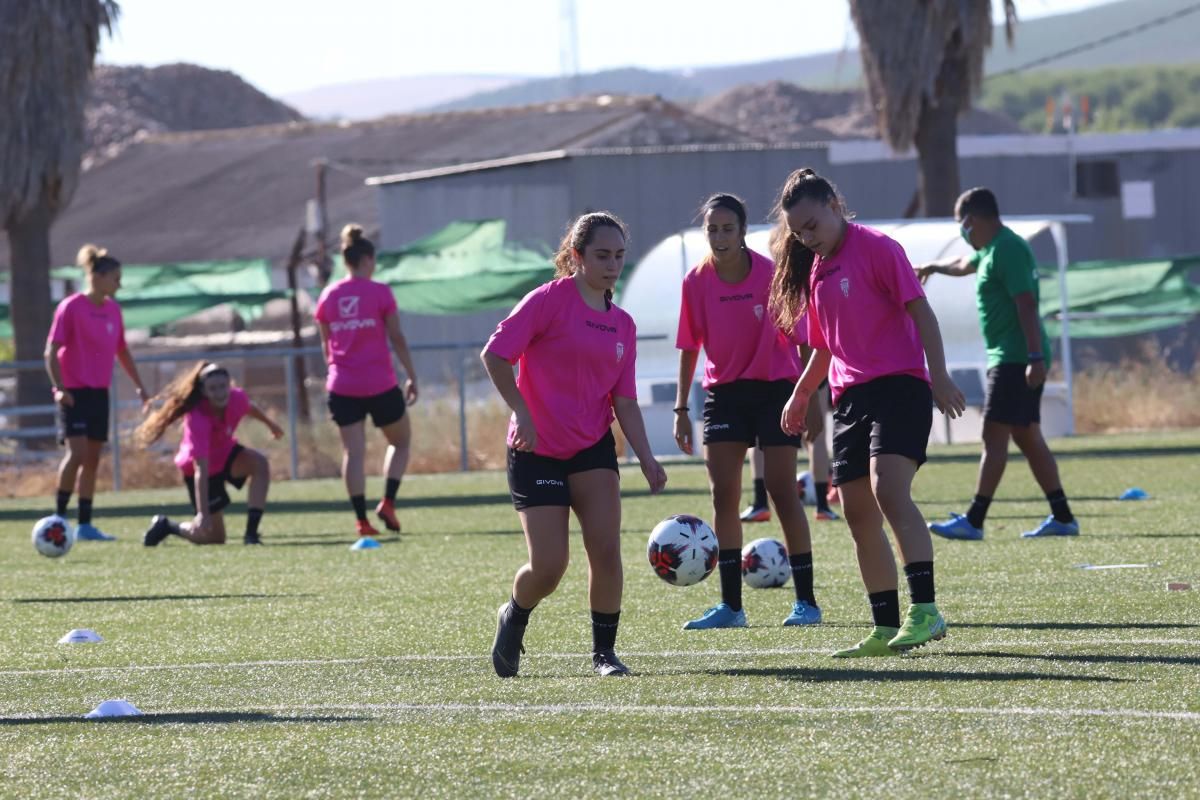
(1112, 37)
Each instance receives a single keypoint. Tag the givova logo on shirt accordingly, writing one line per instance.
(348, 307)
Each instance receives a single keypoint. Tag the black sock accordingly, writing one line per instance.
(390, 488)
(253, 517)
(802, 576)
(730, 564)
(977, 513)
(1057, 498)
(604, 630)
(520, 616)
(760, 493)
(61, 500)
(85, 510)
(920, 581)
(885, 608)
(174, 528)
(360, 506)
(822, 489)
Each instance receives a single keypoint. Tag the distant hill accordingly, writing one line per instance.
(1169, 44)
(378, 98)
(128, 102)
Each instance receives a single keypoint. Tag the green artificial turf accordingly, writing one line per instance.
(303, 669)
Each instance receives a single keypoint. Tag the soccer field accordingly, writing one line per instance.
(303, 669)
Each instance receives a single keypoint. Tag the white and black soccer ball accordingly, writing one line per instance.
(765, 564)
(682, 550)
(805, 488)
(53, 536)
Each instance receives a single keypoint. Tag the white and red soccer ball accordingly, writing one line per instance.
(682, 550)
(765, 564)
(53, 536)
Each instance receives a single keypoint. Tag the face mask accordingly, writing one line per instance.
(965, 230)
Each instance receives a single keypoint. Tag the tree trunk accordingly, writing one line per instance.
(937, 159)
(936, 140)
(31, 308)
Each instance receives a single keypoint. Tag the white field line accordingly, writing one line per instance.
(632, 709)
(482, 657)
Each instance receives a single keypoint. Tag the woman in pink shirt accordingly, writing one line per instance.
(86, 337)
(575, 353)
(209, 455)
(358, 319)
(750, 369)
(872, 332)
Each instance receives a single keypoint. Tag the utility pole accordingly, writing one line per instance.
(324, 271)
(293, 264)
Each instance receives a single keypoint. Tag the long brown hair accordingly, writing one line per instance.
(793, 261)
(579, 236)
(178, 398)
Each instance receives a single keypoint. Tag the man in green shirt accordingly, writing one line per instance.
(1017, 352)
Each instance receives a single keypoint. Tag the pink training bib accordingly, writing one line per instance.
(856, 310)
(360, 359)
(88, 338)
(572, 360)
(732, 324)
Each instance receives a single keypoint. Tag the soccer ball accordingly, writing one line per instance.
(765, 564)
(805, 488)
(682, 550)
(53, 536)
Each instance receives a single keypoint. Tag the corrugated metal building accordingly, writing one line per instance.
(1138, 187)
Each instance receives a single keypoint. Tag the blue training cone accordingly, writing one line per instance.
(366, 543)
(1133, 494)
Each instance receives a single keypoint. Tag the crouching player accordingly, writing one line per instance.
(209, 456)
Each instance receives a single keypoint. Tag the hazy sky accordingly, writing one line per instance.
(282, 47)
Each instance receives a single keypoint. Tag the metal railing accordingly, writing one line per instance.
(460, 353)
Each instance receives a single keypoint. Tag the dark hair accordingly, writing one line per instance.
(96, 260)
(179, 397)
(793, 261)
(978, 201)
(579, 236)
(355, 245)
(729, 202)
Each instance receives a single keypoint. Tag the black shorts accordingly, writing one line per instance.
(218, 497)
(891, 415)
(535, 480)
(1010, 401)
(748, 412)
(87, 417)
(384, 408)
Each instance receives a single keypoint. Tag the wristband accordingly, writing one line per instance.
(1035, 357)
(684, 409)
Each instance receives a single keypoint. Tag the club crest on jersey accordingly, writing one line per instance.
(758, 312)
(620, 351)
(845, 284)
(110, 326)
(347, 307)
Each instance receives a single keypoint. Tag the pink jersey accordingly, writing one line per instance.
(572, 360)
(360, 361)
(856, 310)
(88, 336)
(731, 322)
(208, 433)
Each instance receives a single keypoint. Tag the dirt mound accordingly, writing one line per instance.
(129, 102)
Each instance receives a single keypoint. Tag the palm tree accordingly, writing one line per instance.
(47, 50)
(923, 61)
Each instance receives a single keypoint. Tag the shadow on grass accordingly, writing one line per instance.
(1077, 626)
(1142, 535)
(313, 541)
(1085, 452)
(143, 598)
(825, 674)
(190, 718)
(1186, 661)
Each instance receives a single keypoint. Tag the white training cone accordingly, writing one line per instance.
(113, 708)
(366, 543)
(81, 636)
